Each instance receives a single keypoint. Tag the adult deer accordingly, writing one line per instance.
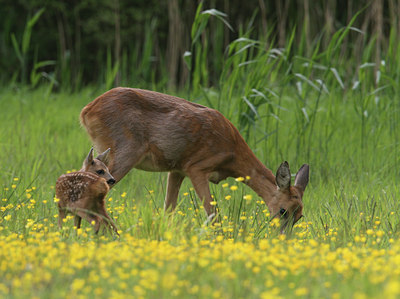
(158, 132)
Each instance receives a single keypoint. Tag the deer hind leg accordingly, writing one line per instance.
(175, 180)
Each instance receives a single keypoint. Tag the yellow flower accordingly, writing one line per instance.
(77, 284)
(123, 194)
(56, 199)
(168, 235)
(234, 188)
(301, 291)
(248, 197)
(225, 185)
(392, 288)
(213, 203)
(239, 179)
(228, 197)
(8, 217)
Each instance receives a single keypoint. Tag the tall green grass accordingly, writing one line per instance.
(351, 151)
(337, 114)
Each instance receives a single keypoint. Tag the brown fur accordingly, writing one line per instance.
(83, 193)
(157, 132)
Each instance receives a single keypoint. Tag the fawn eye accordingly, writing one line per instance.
(282, 211)
(100, 171)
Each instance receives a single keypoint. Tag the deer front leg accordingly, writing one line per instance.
(175, 180)
(200, 184)
(199, 175)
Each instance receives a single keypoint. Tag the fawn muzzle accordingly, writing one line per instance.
(111, 181)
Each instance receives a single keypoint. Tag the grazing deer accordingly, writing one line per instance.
(83, 192)
(158, 132)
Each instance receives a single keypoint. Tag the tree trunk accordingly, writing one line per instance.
(117, 45)
(282, 7)
(174, 45)
(378, 31)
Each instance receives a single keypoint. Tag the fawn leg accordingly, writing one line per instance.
(61, 216)
(102, 211)
(90, 218)
(97, 224)
(77, 221)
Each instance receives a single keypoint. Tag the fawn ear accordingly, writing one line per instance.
(283, 176)
(104, 156)
(302, 175)
(89, 158)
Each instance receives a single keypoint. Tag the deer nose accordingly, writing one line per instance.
(111, 182)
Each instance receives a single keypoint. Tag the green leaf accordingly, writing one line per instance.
(26, 38)
(16, 47)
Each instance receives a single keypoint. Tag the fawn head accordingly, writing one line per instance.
(98, 166)
(287, 200)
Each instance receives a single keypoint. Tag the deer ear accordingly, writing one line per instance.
(89, 158)
(104, 156)
(302, 175)
(283, 176)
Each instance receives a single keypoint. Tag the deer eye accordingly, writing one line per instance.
(100, 171)
(282, 211)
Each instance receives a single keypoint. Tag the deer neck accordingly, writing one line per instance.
(262, 180)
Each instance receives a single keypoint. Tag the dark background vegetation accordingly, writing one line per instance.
(141, 43)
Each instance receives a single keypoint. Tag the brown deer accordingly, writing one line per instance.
(83, 192)
(158, 132)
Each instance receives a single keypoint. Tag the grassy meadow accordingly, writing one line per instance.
(339, 115)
